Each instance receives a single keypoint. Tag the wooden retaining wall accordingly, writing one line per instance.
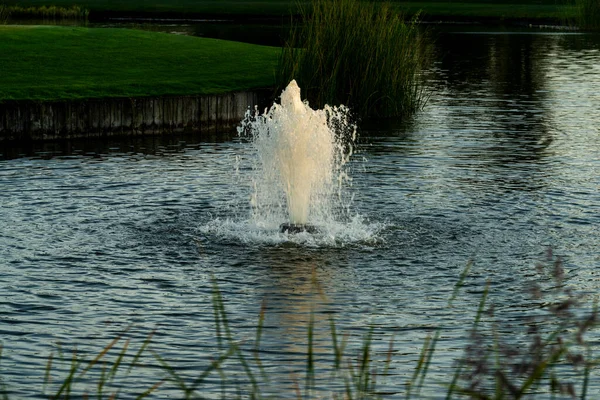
(30, 120)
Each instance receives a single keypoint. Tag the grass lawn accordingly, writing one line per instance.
(432, 8)
(49, 63)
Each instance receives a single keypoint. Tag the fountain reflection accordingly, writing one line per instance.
(300, 290)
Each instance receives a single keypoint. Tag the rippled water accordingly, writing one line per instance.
(502, 164)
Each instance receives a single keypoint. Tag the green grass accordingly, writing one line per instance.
(359, 54)
(528, 9)
(51, 63)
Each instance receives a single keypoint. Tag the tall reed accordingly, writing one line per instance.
(4, 13)
(357, 53)
(588, 13)
(47, 13)
(553, 358)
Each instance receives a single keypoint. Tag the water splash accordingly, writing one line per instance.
(301, 153)
(298, 174)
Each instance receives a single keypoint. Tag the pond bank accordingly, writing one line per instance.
(69, 119)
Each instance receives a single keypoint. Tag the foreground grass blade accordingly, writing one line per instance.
(104, 351)
(149, 391)
(66, 386)
(215, 365)
(141, 350)
(430, 352)
(47, 372)
(180, 382)
(460, 283)
(117, 363)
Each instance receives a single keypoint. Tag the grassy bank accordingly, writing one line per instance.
(50, 63)
(469, 9)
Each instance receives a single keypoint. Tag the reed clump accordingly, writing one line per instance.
(358, 53)
(4, 13)
(46, 13)
(588, 14)
(553, 358)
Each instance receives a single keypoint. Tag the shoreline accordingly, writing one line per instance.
(28, 120)
(147, 114)
(250, 19)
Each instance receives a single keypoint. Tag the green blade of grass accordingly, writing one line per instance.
(419, 367)
(101, 382)
(336, 349)
(427, 362)
(47, 372)
(141, 350)
(171, 371)
(119, 359)
(214, 365)
(104, 351)
(150, 390)
(459, 284)
(66, 386)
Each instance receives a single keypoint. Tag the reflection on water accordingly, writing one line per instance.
(502, 163)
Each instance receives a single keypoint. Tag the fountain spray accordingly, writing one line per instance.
(301, 154)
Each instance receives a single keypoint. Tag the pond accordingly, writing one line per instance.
(501, 168)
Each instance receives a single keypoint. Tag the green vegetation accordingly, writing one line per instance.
(50, 63)
(231, 7)
(359, 54)
(588, 14)
(471, 9)
(551, 357)
(4, 13)
(45, 13)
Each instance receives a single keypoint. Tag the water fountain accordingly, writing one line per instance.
(301, 155)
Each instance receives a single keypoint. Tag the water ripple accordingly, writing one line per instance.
(502, 164)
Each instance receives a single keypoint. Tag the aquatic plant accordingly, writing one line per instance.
(104, 375)
(588, 14)
(361, 54)
(4, 13)
(552, 357)
(47, 13)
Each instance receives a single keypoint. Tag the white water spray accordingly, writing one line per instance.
(301, 155)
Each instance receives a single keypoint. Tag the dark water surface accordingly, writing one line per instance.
(502, 164)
